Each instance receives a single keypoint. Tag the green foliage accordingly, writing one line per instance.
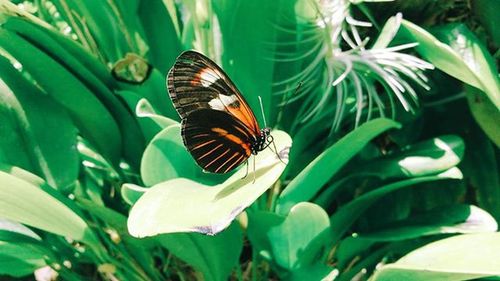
(387, 167)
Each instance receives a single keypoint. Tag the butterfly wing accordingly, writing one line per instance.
(217, 140)
(196, 82)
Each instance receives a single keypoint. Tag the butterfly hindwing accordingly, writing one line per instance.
(217, 141)
(195, 82)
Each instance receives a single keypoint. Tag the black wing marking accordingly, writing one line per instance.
(196, 82)
(217, 141)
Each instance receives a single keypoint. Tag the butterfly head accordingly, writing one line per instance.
(262, 141)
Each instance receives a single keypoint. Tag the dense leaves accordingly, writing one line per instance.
(384, 165)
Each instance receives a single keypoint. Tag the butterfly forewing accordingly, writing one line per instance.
(195, 82)
(218, 141)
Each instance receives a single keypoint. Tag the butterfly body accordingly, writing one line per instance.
(219, 128)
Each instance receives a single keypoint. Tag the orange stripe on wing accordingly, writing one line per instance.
(203, 156)
(229, 159)
(200, 135)
(234, 139)
(234, 163)
(217, 158)
(203, 144)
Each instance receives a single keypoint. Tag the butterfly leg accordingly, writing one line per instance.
(277, 154)
(253, 170)
(275, 150)
(246, 173)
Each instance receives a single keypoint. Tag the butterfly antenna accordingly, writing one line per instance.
(284, 103)
(262, 110)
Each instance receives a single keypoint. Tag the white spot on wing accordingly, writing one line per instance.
(218, 103)
(208, 77)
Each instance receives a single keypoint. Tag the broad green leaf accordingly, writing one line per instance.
(131, 192)
(214, 256)
(461, 257)
(38, 134)
(166, 157)
(485, 113)
(421, 159)
(480, 168)
(317, 271)
(140, 249)
(305, 145)
(42, 39)
(446, 219)
(182, 205)
(294, 241)
(441, 220)
(24, 252)
(149, 120)
(27, 203)
(344, 217)
(154, 90)
(159, 29)
(486, 12)
(15, 227)
(456, 51)
(90, 116)
(145, 109)
(18, 267)
(247, 26)
(304, 186)
(110, 37)
(89, 60)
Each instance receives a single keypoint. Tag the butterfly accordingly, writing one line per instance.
(218, 126)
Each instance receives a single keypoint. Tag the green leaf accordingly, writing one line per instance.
(182, 205)
(164, 44)
(485, 114)
(215, 256)
(317, 271)
(149, 120)
(131, 192)
(421, 159)
(294, 241)
(446, 219)
(100, 28)
(304, 186)
(23, 252)
(342, 220)
(145, 109)
(486, 12)
(27, 203)
(165, 158)
(140, 249)
(461, 257)
(247, 26)
(17, 267)
(15, 227)
(39, 37)
(154, 90)
(459, 54)
(89, 115)
(38, 134)
(441, 220)
(480, 168)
